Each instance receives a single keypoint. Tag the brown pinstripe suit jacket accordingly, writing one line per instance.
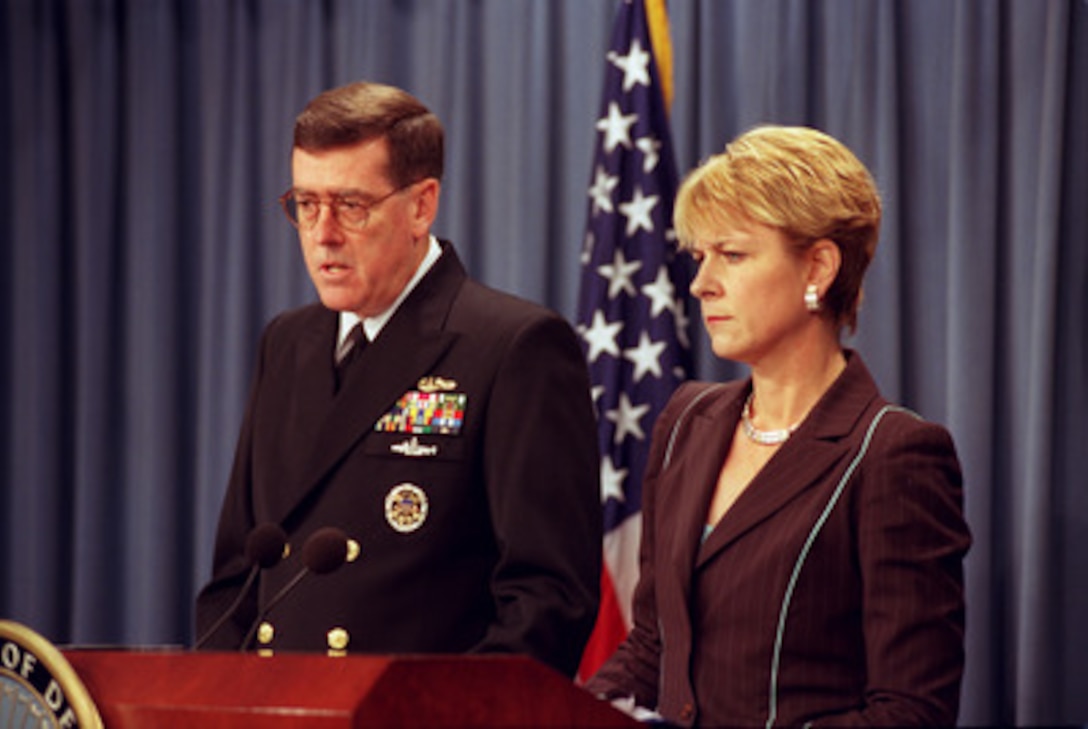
(831, 592)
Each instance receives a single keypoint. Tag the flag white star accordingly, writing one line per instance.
(595, 393)
(646, 357)
(616, 127)
(638, 211)
(612, 481)
(619, 274)
(661, 292)
(635, 65)
(601, 191)
(626, 417)
(649, 148)
(601, 337)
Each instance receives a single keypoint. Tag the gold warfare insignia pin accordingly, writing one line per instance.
(433, 383)
(406, 507)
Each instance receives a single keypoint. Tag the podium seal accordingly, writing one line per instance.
(38, 687)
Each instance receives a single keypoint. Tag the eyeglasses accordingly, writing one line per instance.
(351, 212)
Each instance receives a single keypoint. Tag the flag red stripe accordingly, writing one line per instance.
(608, 633)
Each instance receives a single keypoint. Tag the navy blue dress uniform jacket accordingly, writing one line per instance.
(830, 592)
(497, 547)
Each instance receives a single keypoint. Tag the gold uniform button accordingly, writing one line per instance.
(338, 639)
(353, 550)
(266, 633)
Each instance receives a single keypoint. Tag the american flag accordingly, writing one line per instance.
(631, 312)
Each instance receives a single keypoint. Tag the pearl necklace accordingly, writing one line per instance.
(763, 437)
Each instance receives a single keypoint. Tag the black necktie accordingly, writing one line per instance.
(353, 346)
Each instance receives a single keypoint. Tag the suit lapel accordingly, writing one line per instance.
(696, 470)
(409, 345)
(802, 462)
(687, 484)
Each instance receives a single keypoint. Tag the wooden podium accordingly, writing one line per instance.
(174, 689)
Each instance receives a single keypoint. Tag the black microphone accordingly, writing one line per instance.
(323, 552)
(264, 548)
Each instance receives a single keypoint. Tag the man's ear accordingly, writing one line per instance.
(425, 207)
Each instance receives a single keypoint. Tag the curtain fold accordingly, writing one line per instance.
(971, 227)
(145, 143)
(1038, 616)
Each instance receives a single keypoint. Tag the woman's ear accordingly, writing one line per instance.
(825, 259)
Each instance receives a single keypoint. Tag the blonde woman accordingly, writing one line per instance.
(803, 539)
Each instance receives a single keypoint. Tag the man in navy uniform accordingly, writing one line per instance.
(452, 439)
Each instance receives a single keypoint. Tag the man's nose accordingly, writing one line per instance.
(326, 228)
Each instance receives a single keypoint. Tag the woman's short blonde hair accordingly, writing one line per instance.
(796, 179)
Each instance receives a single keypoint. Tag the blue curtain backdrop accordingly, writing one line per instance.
(144, 143)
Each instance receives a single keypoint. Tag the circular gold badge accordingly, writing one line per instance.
(406, 507)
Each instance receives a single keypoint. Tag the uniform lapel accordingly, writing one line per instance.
(803, 461)
(315, 377)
